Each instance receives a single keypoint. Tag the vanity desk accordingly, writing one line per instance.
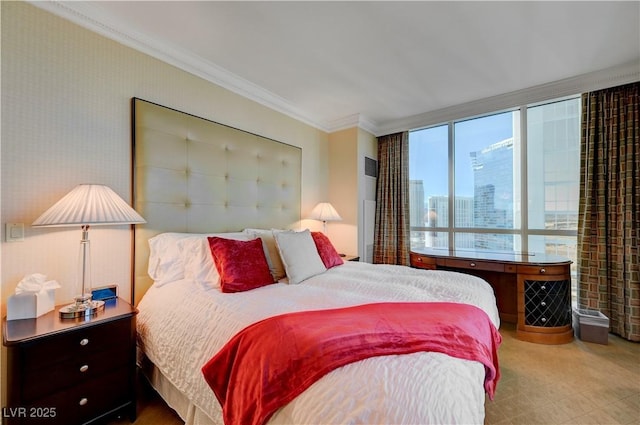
(533, 291)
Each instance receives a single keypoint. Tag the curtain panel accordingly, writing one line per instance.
(391, 235)
(609, 208)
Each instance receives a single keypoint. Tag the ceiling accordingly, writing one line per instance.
(378, 63)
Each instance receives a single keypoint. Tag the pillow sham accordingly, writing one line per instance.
(165, 258)
(242, 265)
(326, 250)
(299, 255)
(271, 248)
(197, 259)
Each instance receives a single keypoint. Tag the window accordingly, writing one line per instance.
(481, 184)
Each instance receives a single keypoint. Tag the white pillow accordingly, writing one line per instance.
(299, 255)
(165, 258)
(198, 261)
(271, 251)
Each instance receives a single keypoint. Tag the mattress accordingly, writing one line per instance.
(181, 325)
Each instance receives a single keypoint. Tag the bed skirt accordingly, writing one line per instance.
(176, 400)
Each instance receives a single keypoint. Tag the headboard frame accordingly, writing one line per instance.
(194, 175)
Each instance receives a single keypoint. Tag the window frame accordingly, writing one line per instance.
(524, 231)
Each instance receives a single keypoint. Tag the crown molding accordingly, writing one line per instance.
(354, 120)
(610, 77)
(368, 125)
(94, 19)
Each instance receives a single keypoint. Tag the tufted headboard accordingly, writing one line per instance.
(193, 175)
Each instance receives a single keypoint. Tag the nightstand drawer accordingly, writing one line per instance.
(47, 352)
(40, 382)
(88, 400)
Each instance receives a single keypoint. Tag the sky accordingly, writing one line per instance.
(428, 151)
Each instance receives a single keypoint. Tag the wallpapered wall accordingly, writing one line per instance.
(66, 120)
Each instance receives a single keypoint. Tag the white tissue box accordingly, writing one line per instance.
(31, 304)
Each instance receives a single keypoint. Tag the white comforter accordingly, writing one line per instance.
(181, 326)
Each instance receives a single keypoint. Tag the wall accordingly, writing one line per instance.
(367, 147)
(343, 193)
(66, 120)
(347, 150)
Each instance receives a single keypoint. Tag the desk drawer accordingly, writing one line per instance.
(422, 262)
(542, 270)
(474, 265)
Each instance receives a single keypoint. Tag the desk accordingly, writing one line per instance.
(533, 291)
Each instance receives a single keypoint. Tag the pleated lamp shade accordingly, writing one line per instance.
(89, 204)
(324, 211)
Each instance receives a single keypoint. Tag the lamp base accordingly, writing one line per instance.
(75, 310)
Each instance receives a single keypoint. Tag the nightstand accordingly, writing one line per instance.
(71, 371)
(351, 258)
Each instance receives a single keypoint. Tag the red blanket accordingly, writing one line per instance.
(269, 363)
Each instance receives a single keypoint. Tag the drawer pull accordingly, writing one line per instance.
(543, 304)
(542, 271)
(544, 319)
(543, 287)
(84, 368)
(83, 402)
(84, 341)
(472, 264)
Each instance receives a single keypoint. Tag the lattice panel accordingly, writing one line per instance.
(546, 303)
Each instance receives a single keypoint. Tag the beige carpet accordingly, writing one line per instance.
(575, 383)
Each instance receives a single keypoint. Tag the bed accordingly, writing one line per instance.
(189, 313)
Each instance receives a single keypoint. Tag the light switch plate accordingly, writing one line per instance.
(14, 232)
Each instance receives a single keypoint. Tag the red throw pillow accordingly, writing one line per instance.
(242, 265)
(328, 253)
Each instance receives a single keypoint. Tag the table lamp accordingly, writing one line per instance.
(324, 212)
(87, 205)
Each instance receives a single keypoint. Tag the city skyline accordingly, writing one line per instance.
(490, 207)
(428, 157)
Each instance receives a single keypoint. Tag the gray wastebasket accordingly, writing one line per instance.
(591, 325)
